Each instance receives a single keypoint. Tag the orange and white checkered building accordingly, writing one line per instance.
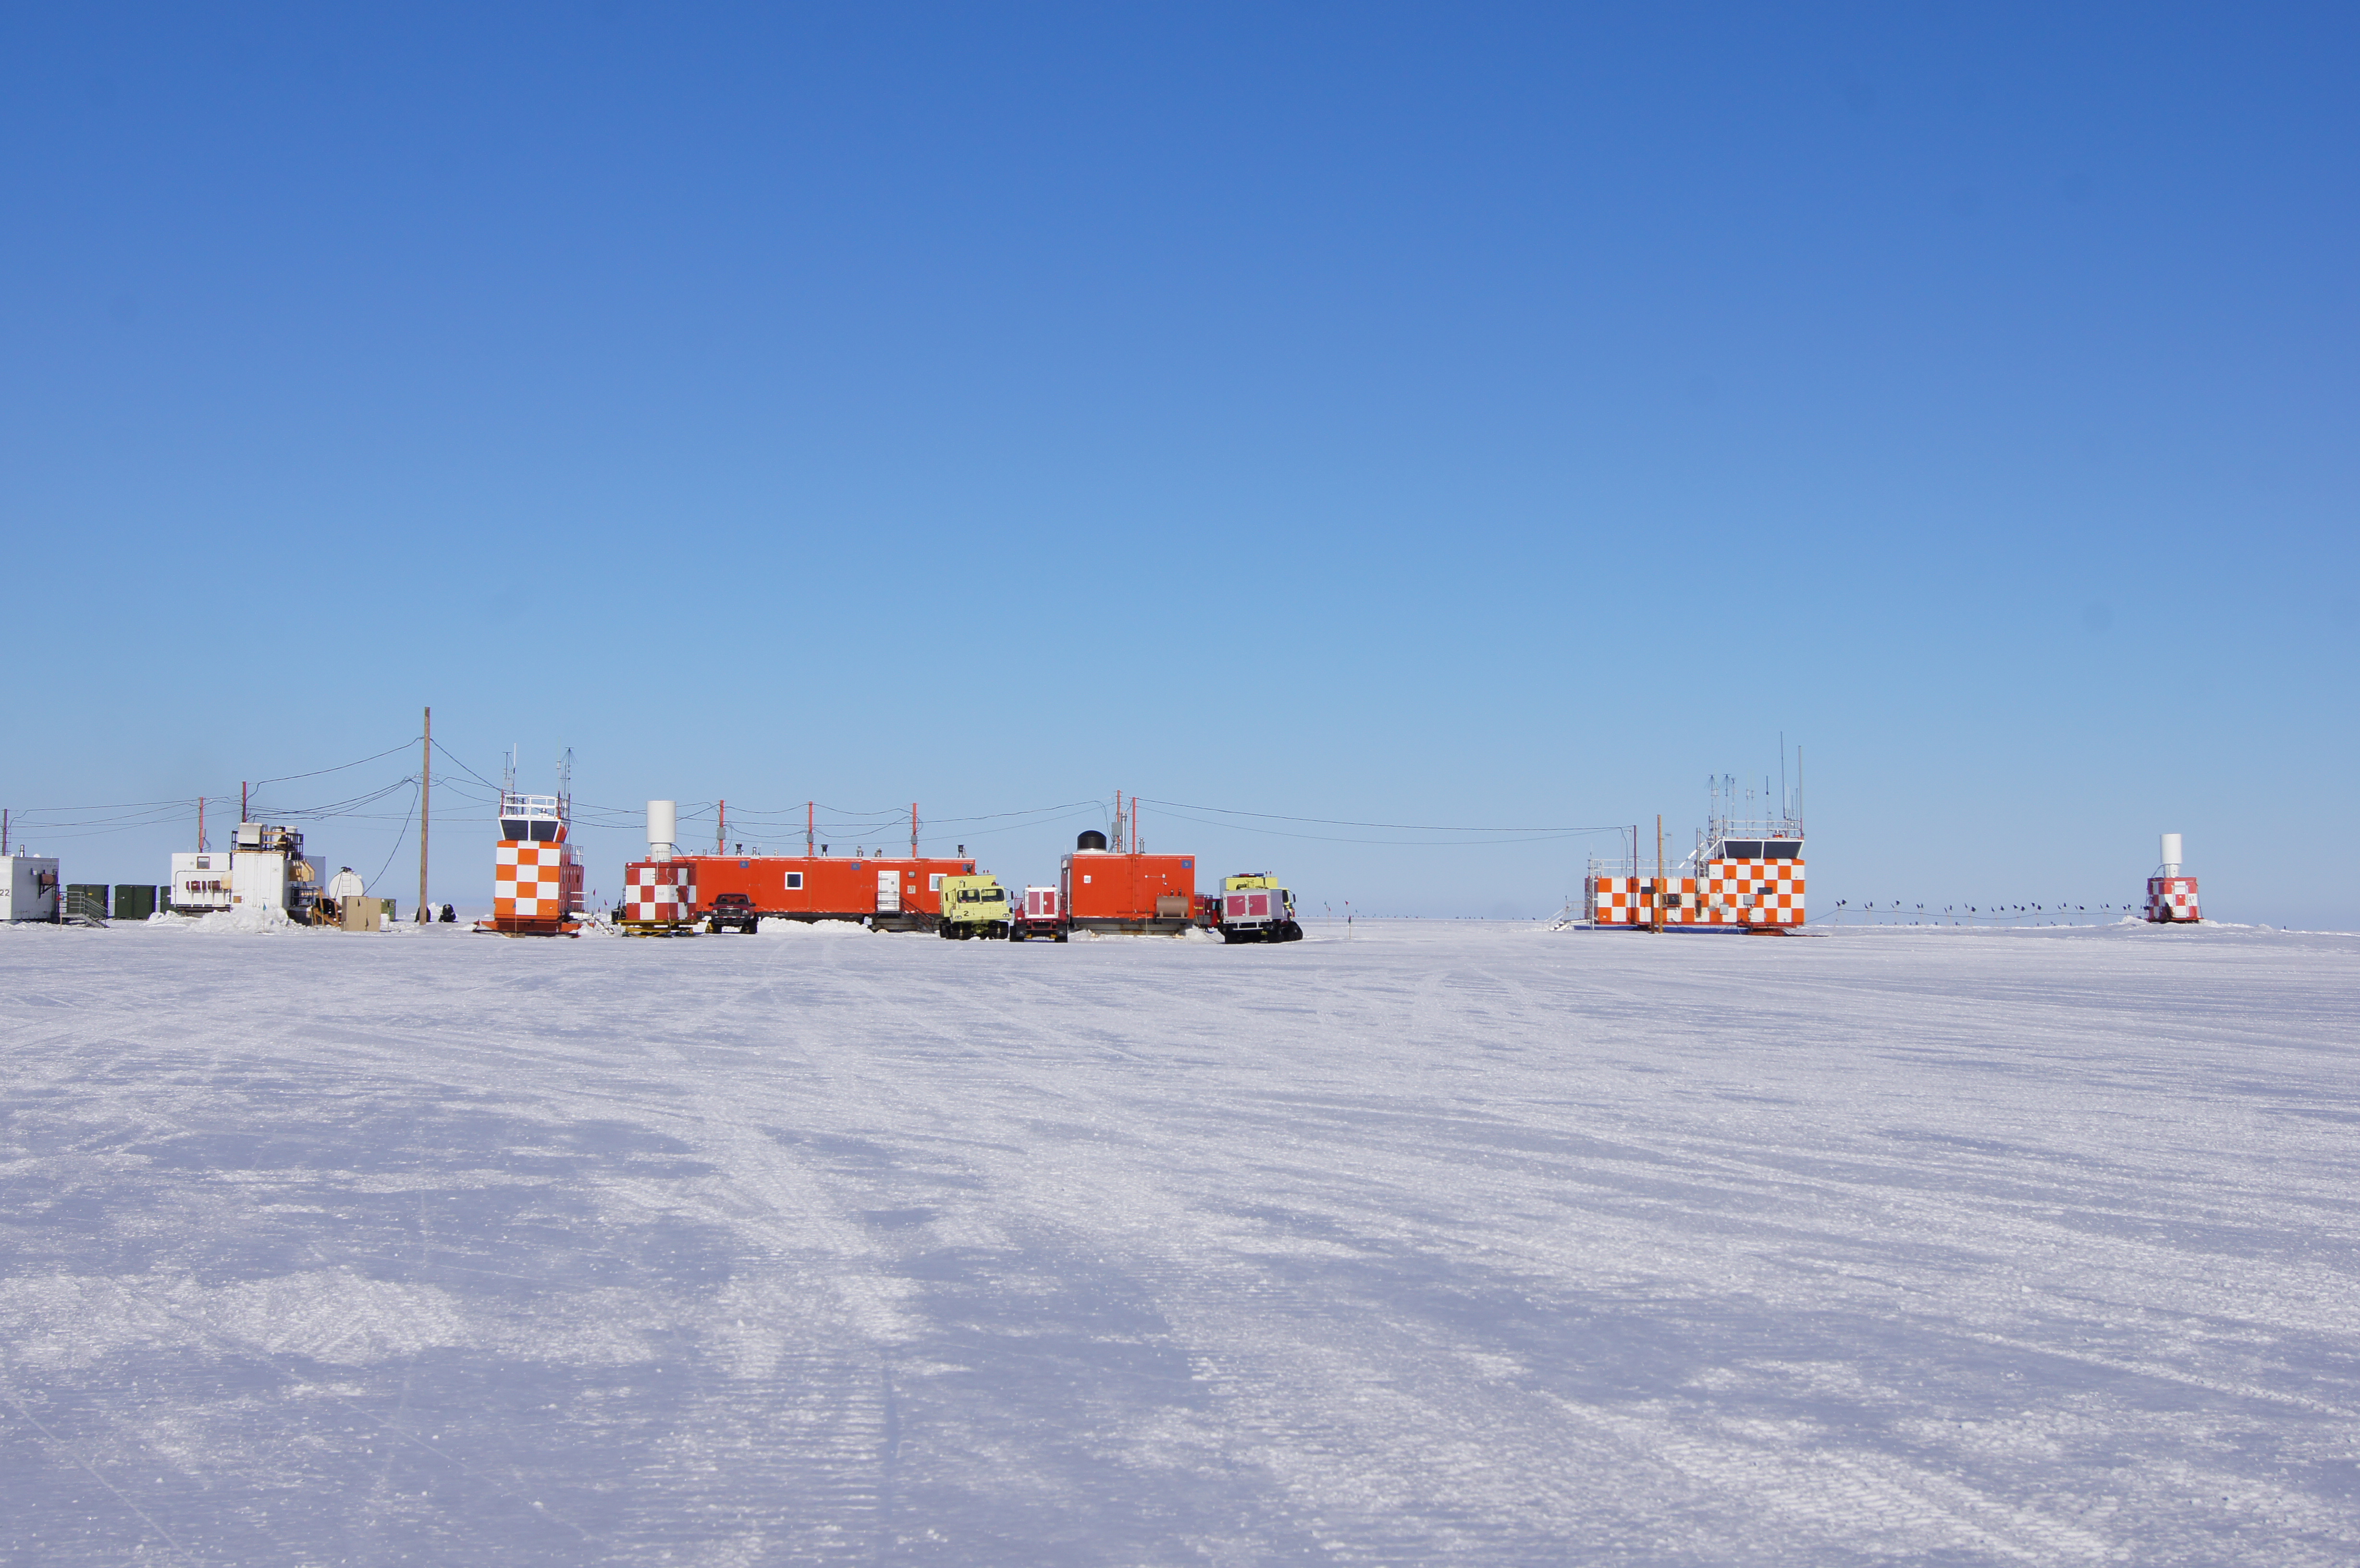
(1616, 900)
(535, 886)
(659, 893)
(1730, 893)
(2171, 900)
(1750, 893)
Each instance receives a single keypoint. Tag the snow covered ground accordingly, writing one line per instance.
(1453, 1243)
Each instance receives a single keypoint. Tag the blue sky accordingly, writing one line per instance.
(1497, 418)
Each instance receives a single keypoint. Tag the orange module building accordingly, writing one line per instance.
(1120, 891)
(898, 893)
(685, 887)
(1737, 889)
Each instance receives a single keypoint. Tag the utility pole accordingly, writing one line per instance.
(425, 806)
(811, 832)
(4, 833)
(200, 823)
(914, 830)
(245, 812)
(721, 830)
(1659, 871)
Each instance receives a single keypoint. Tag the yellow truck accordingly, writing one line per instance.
(974, 907)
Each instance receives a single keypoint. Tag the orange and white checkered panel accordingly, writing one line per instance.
(1683, 901)
(1614, 901)
(1753, 893)
(2171, 900)
(535, 881)
(660, 892)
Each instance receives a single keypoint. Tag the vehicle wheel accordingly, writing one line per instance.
(1291, 932)
(1060, 936)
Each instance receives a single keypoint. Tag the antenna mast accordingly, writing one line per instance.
(425, 804)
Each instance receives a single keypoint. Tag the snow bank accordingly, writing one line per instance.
(230, 922)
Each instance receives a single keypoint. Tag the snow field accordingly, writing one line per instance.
(1453, 1242)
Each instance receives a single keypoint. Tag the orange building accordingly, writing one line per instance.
(536, 874)
(895, 892)
(1747, 883)
(1112, 890)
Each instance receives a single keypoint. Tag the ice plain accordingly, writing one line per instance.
(1455, 1242)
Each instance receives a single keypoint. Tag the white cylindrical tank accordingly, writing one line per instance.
(2171, 855)
(664, 828)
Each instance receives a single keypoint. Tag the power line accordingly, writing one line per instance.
(399, 837)
(1396, 827)
(1398, 842)
(463, 768)
(389, 751)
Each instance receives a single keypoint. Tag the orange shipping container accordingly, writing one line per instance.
(1100, 885)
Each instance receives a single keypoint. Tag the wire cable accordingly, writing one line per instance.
(1398, 827)
(389, 751)
(1401, 842)
(463, 768)
(397, 838)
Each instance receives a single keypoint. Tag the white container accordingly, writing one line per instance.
(2171, 855)
(29, 890)
(257, 879)
(200, 881)
(664, 828)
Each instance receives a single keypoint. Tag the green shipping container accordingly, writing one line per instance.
(133, 901)
(92, 893)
